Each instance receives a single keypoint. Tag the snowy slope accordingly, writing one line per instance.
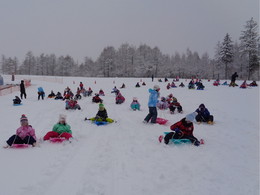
(125, 157)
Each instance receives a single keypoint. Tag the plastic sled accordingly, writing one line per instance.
(161, 121)
(57, 139)
(179, 141)
(99, 123)
(17, 104)
(20, 146)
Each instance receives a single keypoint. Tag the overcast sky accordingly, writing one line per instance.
(83, 28)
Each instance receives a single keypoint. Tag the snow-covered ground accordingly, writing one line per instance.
(125, 158)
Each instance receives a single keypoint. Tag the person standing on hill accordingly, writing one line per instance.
(153, 99)
(233, 79)
(22, 90)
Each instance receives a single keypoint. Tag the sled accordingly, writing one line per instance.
(17, 104)
(179, 141)
(100, 123)
(20, 146)
(161, 121)
(57, 139)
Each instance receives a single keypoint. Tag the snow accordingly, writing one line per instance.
(126, 157)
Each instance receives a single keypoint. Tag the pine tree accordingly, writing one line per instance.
(249, 46)
(226, 52)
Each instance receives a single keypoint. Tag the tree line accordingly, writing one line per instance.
(144, 61)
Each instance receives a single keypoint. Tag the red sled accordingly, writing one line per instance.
(20, 146)
(161, 121)
(57, 139)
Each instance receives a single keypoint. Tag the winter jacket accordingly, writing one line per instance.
(153, 98)
(203, 112)
(182, 125)
(102, 114)
(24, 131)
(62, 128)
(120, 97)
(22, 88)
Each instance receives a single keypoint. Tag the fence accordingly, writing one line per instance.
(8, 89)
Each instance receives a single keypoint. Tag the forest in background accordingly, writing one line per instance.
(143, 61)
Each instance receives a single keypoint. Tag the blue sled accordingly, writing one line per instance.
(179, 141)
(99, 123)
(17, 104)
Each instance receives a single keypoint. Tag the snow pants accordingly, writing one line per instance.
(51, 134)
(152, 115)
(174, 135)
(15, 139)
(200, 118)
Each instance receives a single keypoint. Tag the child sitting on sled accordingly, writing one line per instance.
(135, 105)
(175, 104)
(120, 98)
(183, 130)
(24, 134)
(162, 104)
(204, 115)
(17, 100)
(97, 99)
(61, 129)
(72, 104)
(101, 115)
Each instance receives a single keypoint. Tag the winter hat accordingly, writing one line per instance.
(101, 106)
(62, 117)
(202, 106)
(190, 117)
(23, 118)
(156, 87)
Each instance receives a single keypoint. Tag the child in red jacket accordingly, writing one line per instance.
(183, 130)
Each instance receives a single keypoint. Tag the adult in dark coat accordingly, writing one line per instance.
(22, 90)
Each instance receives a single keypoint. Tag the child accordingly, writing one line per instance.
(120, 98)
(51, 95)
(58, 96)
(137, 84)
(61, 129)
(253, 84)
(144, 84)
(72, 104)
(173, 85)
(97, 99)
(183, 130)
(41, 93)
(17, 100)
(101, 92)
(24, 134)
(115, 90)
(168, 86)
(153, 98)
(81, 85)
(123, 86)
(78, 96)
(89, 91)
(203, 115)
(135, 105)
(243, 85)
(191, 85)
(162, 104)
(200, 86)
(181, 85)
(101, 115)
(175, 104)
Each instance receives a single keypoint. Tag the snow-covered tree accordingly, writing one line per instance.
(226, 52)
(249, 46)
